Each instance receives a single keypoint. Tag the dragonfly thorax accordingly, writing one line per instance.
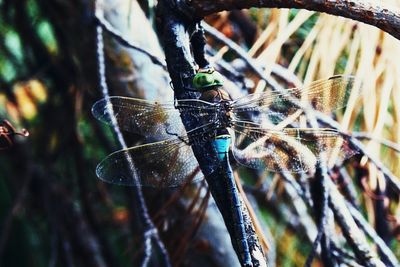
(217, 94)
(225, 113)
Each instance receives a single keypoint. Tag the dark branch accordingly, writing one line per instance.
(378, 15)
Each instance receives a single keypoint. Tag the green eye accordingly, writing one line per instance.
(205, 79)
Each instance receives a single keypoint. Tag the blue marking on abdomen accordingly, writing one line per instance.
(221, 144)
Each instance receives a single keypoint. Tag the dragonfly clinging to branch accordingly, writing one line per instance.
(266, 127)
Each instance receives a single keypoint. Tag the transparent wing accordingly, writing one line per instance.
(166, 163)
(274, 108)
(156, 121)
(292, 149)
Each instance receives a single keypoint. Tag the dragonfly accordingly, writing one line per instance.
(267, 131)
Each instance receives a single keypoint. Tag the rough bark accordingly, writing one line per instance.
(386, 18)
(177, 32)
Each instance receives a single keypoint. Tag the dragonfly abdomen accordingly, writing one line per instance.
(221, 145)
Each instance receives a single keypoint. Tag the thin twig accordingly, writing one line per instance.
(386, 253)
(383, 141)
(151, 232)
(242, 54)
(344, 257)
(354, 236)
(321, 194)
(122, 40)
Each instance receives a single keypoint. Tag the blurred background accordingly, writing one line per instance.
(55, 212)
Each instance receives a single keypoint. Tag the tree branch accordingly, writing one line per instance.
(381, 16)
(177, 32)
(352, 233)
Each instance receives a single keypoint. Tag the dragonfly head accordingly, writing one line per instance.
(206, 79)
